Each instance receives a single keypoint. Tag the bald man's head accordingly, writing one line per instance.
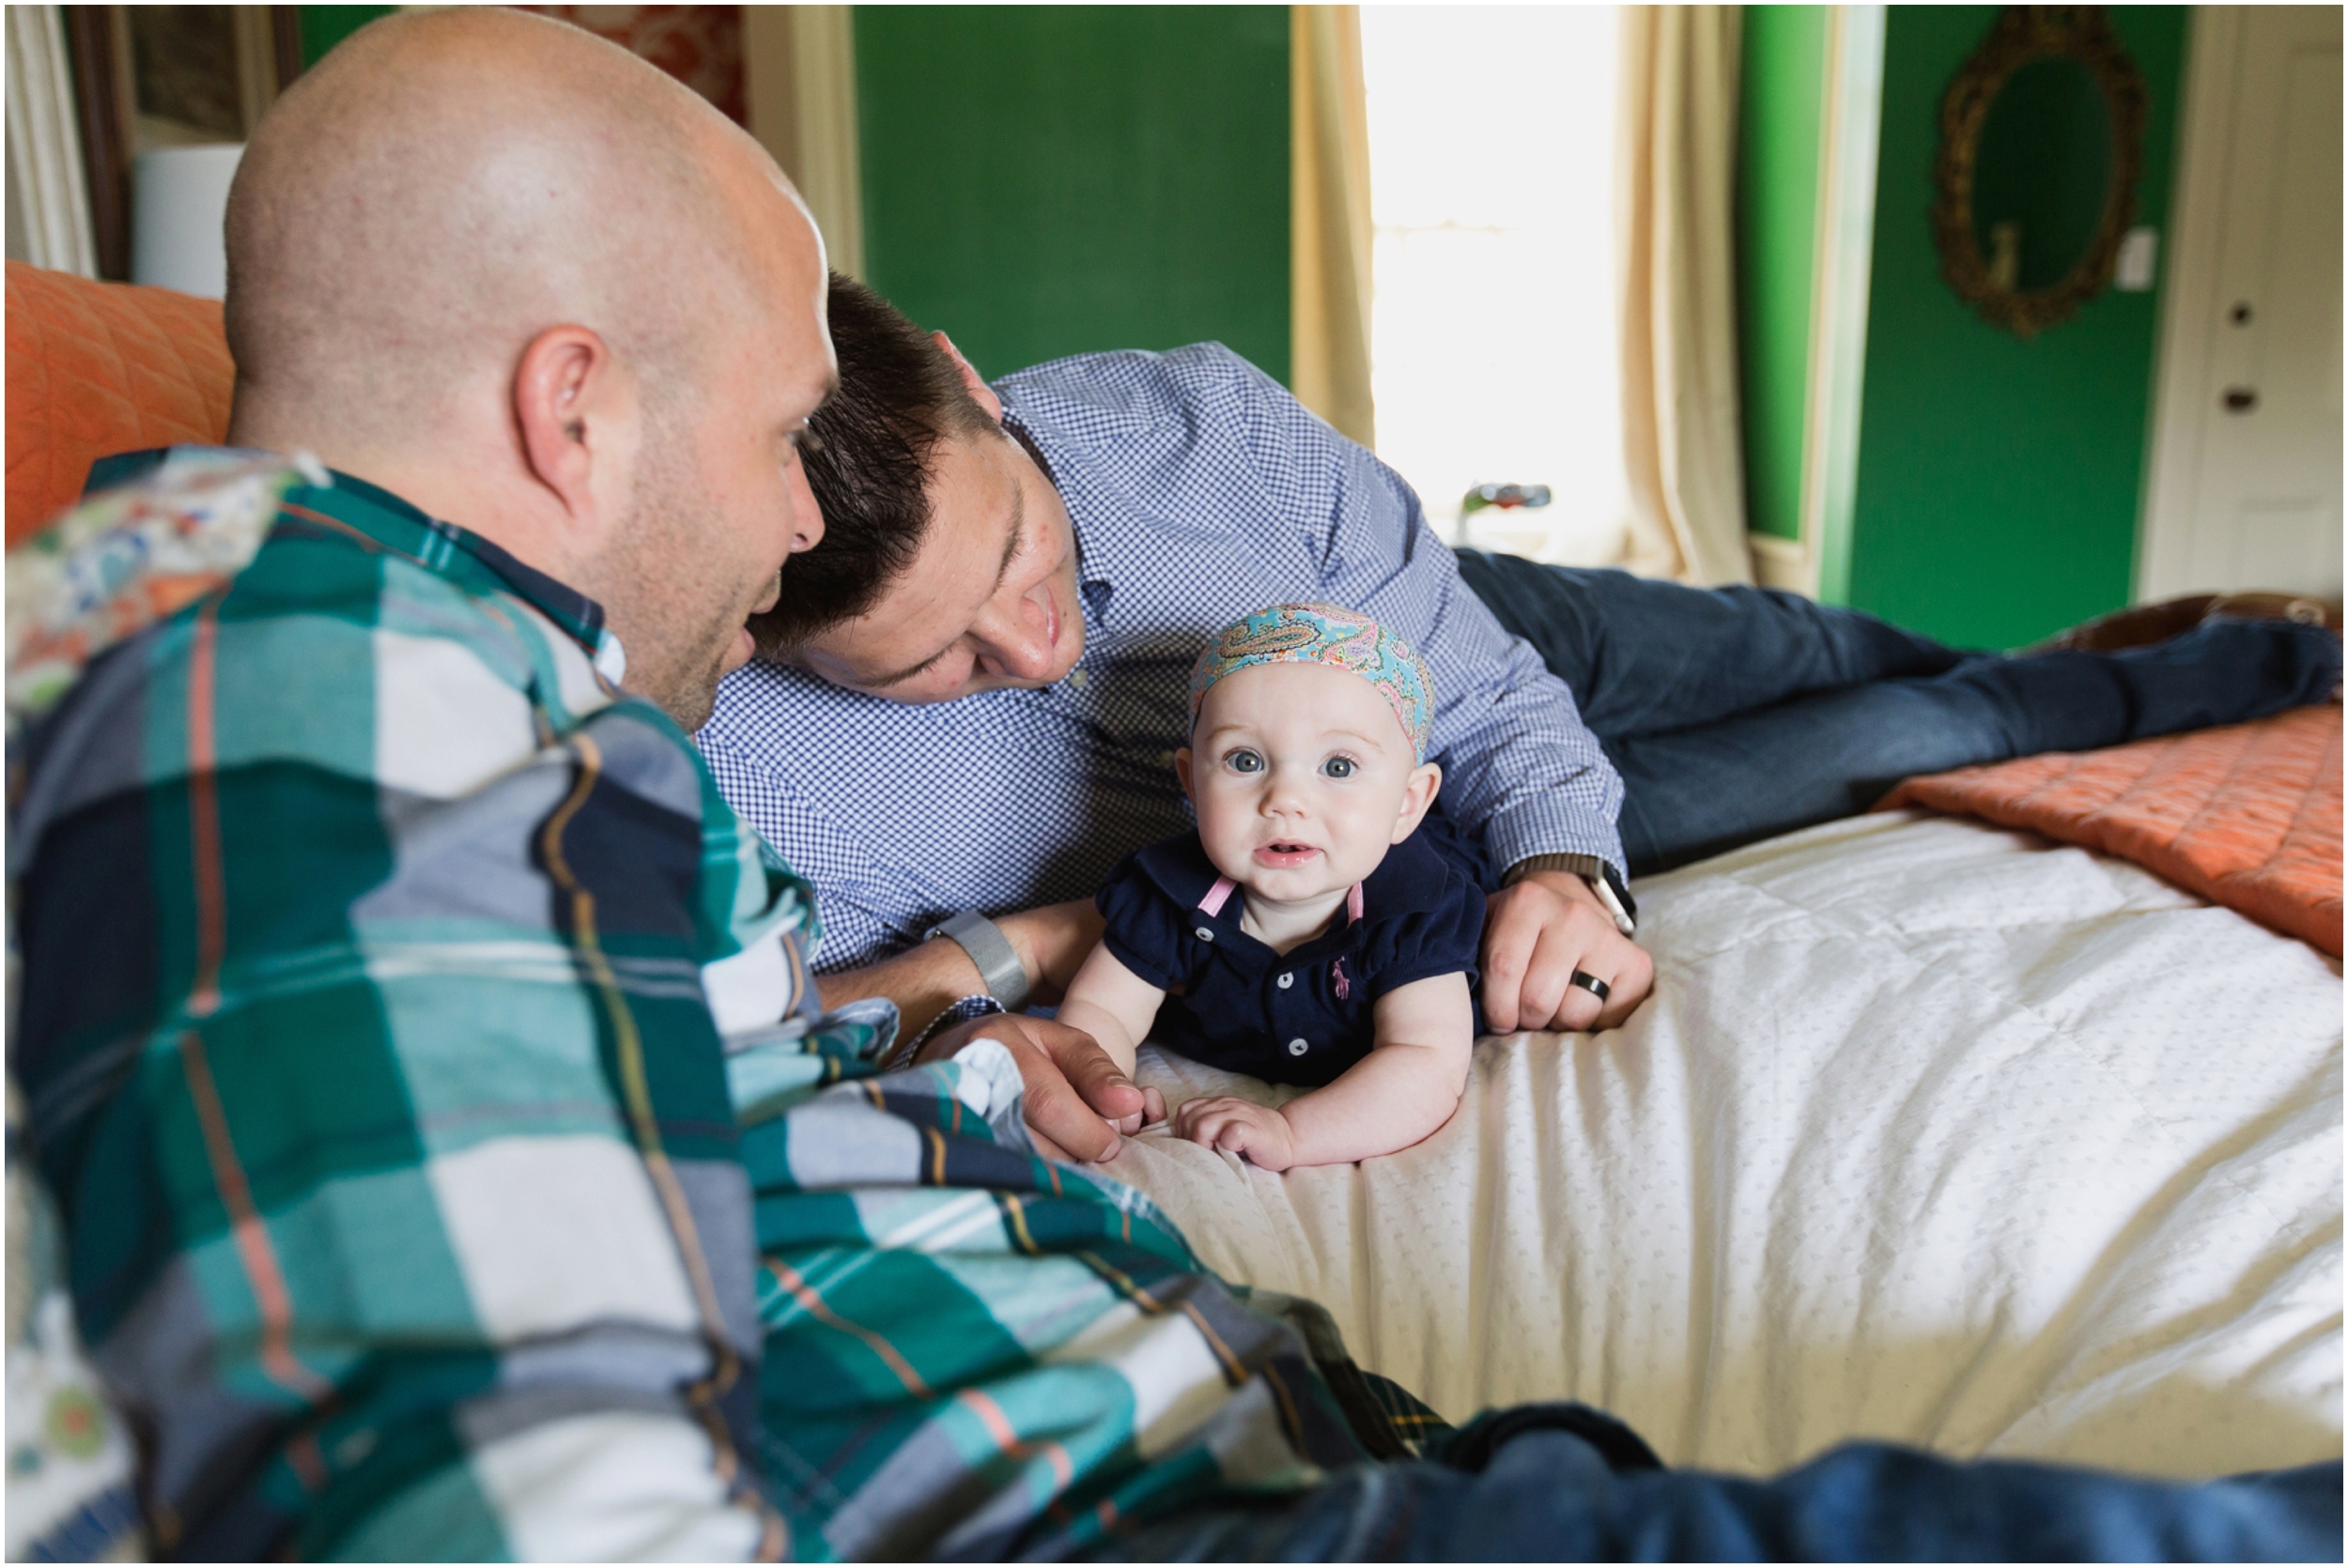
(444, 185)
(461, 217)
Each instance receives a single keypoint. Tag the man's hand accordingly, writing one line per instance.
(1239, 1127)
(1077, 1101)
(1535, 935)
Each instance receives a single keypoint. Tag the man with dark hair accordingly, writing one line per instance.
(1009, 651)
(872, 466)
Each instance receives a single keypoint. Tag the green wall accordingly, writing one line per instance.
(1781, 108)
(1999, 479)
(324, 26)
(1046, 180)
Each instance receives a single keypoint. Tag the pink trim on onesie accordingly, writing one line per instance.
(1353, 905)
(1216, 896)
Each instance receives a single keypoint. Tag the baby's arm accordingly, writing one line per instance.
(1404, 1089)
(1116, 1006)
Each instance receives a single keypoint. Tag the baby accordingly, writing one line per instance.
(1346, 959)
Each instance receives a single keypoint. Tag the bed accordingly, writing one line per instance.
(1932, 1133)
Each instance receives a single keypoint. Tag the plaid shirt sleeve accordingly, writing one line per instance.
(370, 1058)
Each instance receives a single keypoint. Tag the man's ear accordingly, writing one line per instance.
(576, 413)
(1418, 794)
(970, 379)
(1182, 771)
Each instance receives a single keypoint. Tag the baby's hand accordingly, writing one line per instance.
(1239, 1127)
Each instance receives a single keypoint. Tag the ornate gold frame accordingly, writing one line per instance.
(2022, 35)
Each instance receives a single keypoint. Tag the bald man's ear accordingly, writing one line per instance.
(970, 379)
(578, 415)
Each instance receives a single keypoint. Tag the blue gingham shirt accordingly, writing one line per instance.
(1200, 490)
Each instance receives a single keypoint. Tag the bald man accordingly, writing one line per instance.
(453, 1160)
(374, 908)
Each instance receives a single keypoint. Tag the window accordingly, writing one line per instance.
(1495, 357)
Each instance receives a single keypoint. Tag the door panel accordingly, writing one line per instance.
(2262, 411)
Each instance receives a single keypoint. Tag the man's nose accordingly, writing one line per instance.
(1018, 637)
(806, 518)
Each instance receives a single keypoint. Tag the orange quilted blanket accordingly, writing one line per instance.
(2246, 816)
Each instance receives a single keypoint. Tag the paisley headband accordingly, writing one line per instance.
(1323, 634)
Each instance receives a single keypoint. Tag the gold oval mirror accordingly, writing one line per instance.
(2042, 141)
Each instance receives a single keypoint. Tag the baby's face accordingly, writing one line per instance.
(1303, 779)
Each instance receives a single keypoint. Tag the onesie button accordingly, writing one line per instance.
(1298, 1048)
(1203, 935)
(1287, 980)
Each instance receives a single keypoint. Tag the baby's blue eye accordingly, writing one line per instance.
(1338, 767)
(1243, 761)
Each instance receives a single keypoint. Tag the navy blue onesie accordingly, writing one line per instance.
(1302, 1017)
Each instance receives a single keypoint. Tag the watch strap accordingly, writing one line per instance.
(998, 963)
(1603, 879)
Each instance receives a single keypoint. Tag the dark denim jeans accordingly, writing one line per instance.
(1553, 1495)
(1734, 714)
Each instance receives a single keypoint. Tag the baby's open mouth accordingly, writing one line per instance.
(1284, 852)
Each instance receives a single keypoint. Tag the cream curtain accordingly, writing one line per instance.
(1675, 191)
(798, 71)
(1329, 230)
(49, 221)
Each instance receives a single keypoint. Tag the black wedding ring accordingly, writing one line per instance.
(1591, 983)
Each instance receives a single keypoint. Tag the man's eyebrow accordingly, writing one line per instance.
(1010, 553)
(1018, 532)
(911, 670)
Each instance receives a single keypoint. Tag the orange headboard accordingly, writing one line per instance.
(100, 368)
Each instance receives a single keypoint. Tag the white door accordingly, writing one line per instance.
(2246, 463)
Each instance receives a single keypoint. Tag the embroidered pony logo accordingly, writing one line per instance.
(1337, 977)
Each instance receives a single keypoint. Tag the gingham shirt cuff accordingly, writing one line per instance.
(1545, 827)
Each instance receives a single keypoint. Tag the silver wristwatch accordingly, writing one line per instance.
(1590, 868)
(998, 963)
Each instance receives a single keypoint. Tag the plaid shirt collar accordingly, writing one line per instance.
(446, 550)
(351, 505)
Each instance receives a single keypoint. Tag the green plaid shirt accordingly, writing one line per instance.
(454, 1163)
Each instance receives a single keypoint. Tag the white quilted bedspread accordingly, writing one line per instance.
(1931, 1132)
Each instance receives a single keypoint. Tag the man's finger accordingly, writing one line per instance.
(1090, 1070)
(1547, 995)
(1053, 1107)
(1049, 1149)
(1507, 952)
(1633, 980)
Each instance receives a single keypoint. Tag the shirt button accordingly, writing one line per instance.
(1298, 1048)
(1203, 935)
(1287, 980)
(1077, 678)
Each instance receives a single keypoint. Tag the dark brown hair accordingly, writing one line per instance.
(898, 396)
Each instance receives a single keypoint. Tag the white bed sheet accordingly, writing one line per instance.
(1931, 1132)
